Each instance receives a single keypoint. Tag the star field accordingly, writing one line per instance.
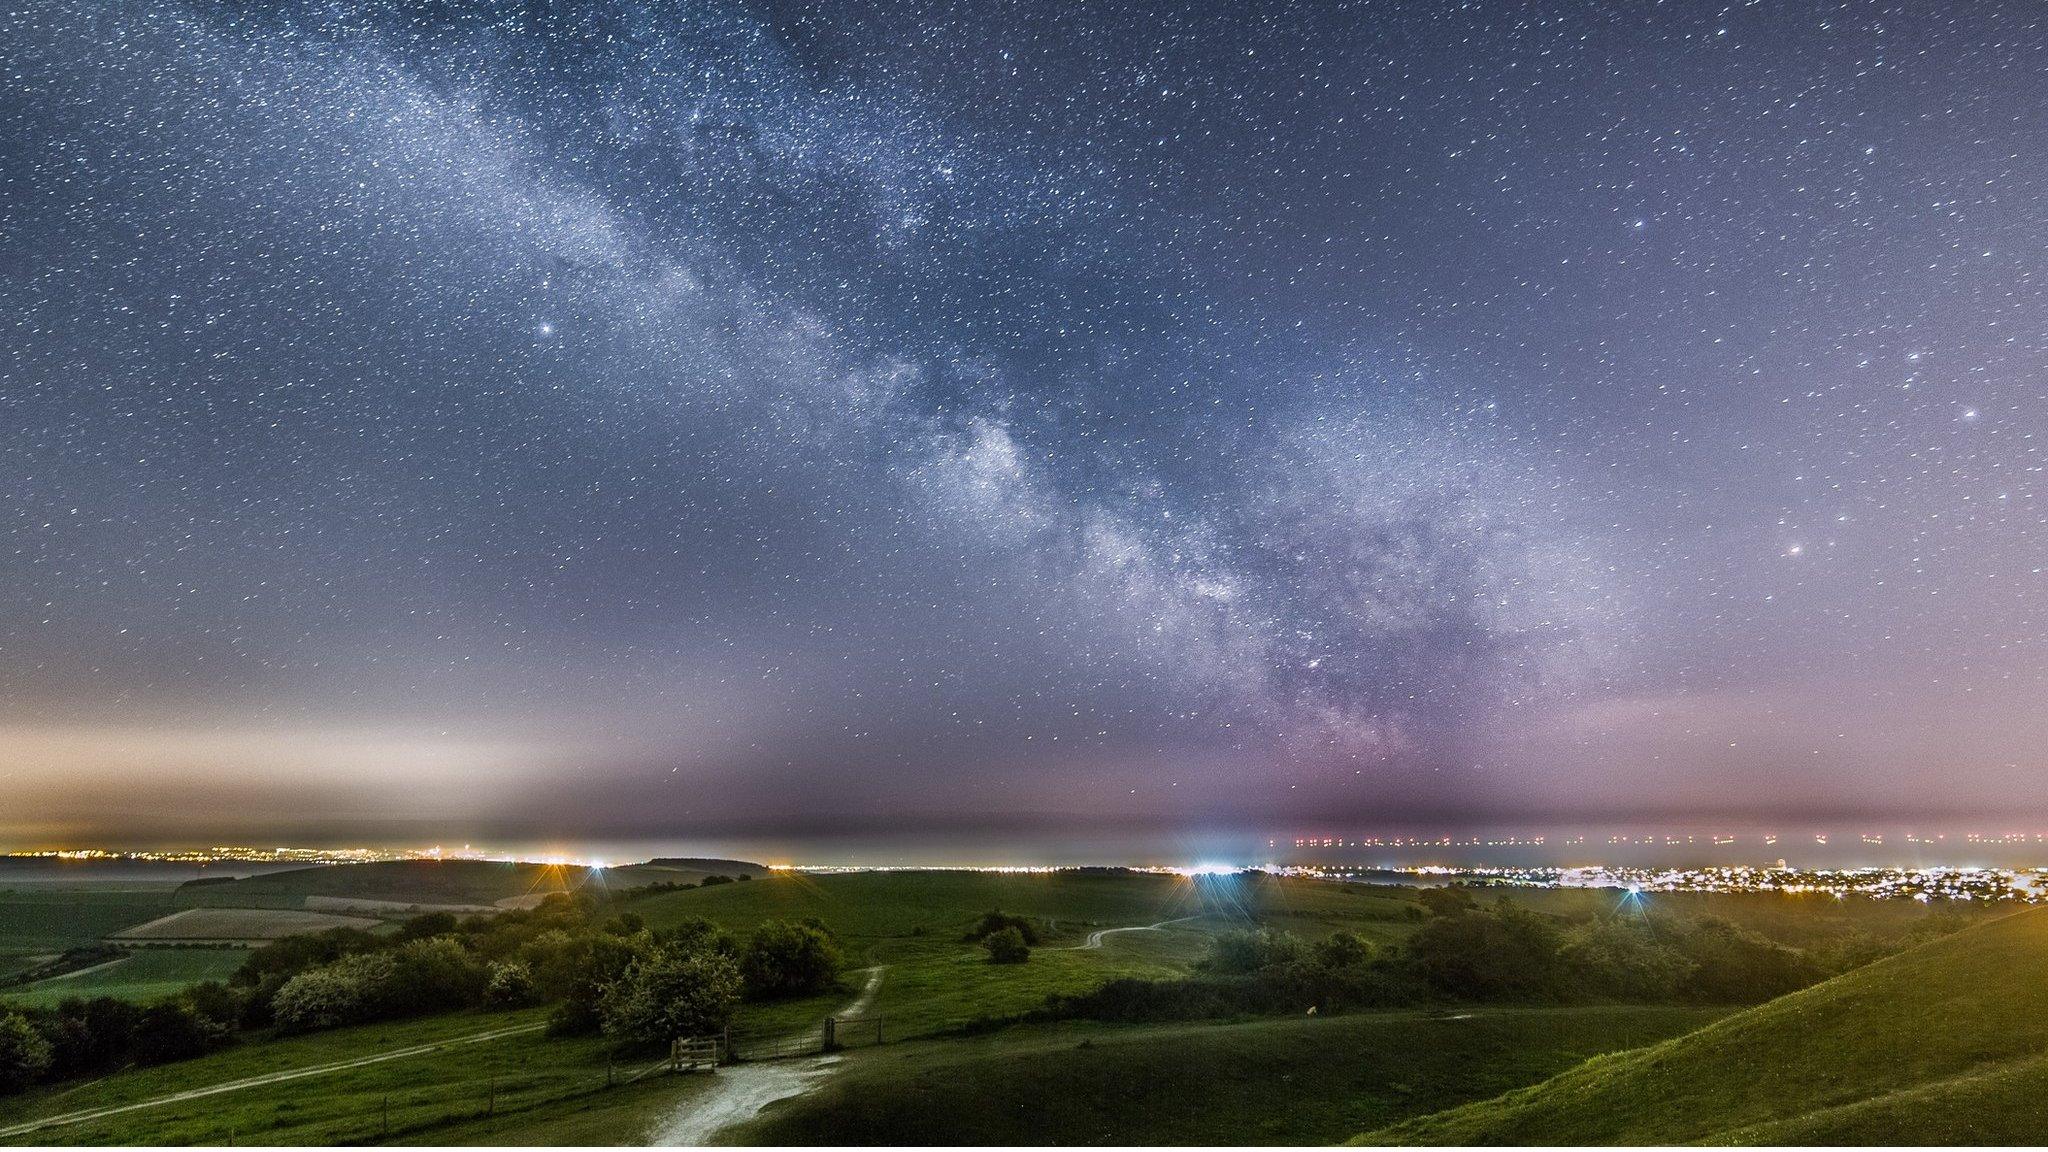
(613, 417)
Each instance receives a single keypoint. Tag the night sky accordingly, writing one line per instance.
(589, 419)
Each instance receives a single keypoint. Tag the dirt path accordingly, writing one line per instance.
(1095, 938)
(739, 1091)
(259, 1081)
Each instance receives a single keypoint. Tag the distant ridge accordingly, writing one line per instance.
(708, 865)
(1946, 1043)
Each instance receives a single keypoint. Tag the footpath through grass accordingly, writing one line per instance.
(1292, 1081)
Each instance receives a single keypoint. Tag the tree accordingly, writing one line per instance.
(665, 994)
(1736, 965)
(511, 984)
(1236, 953)
(1007, 946)
(1446, 901)
(433, 976)
(169, 1031)
(785, 959)
(1619, 957)
(995, 920)
(348, 991)
(24, 1054)
(1342, 950)
(1505, 953)
(426, 927)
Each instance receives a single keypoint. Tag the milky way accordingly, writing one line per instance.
(597, 418)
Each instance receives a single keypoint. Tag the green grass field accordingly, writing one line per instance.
(1943, 1044)
(506, 1077)
(1295, 1081)
(143, 974)
(51, 919)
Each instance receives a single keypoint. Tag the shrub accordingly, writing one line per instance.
(1236, 953)
(24, 1055)
(995, 920)
(1446, 901)
(785, 959)
(1621, 958)
(169, 1031)
(433, 976)
(426, 927)
(1342, 950)
(1735, 965)
(666, 993)
(1007, 946)
(510, 984)
(1506, 953)
(348, 991)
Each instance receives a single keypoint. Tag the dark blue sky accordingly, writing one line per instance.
(590, 419)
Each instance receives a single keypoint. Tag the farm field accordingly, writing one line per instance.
(404, 883)
(140, 974)
(51, 919)
(1293, 1081)
(236, 924)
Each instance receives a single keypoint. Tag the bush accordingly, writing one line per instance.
(170, 1031)
(1007, 946)
(1342, 950)
(1237, 953)
(510, 985)
(1446, 901)
(434, 976)
(349, 991)
(426, 927)
(995, 920)
(1735, 965)
(785, 959)
(24, 1055)
(666, 993)
(1621, 958)
(1503, 954)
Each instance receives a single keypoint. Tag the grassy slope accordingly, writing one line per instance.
(144, 974)
(1942, 1044)
(1294, 1081)
(529, 1075)
(53, 919)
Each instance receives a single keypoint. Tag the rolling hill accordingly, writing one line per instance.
(427, 884)
(1944, 1044)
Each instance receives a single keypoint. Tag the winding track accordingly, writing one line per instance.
(1095, 938)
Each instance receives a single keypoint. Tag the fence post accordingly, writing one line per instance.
(830, 1038)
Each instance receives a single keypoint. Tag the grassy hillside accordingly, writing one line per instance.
(1943, 1044)
(142, 974)
(500, 1082)
(1294, 1081)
